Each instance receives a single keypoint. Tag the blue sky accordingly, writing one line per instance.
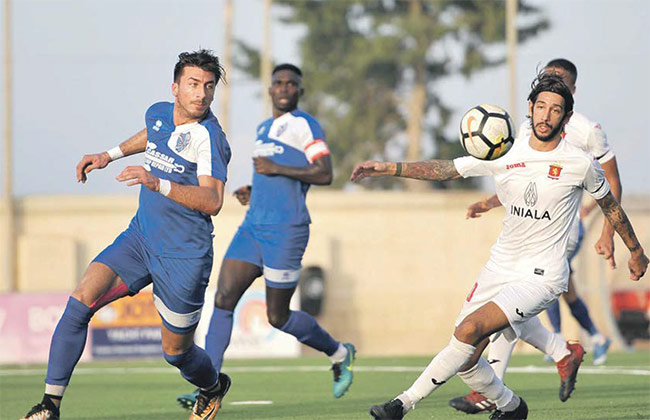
(86, 70)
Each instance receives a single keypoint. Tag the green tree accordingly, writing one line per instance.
(372, 67)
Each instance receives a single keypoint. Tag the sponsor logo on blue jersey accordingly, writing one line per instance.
(267, 149)
(158, 160)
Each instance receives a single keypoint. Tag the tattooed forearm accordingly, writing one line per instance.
(617, 217)
(431, 170)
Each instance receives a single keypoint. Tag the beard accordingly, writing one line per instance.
(551, 135)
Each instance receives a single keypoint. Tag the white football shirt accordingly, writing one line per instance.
(541, 192)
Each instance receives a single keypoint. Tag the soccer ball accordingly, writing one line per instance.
(487, 132)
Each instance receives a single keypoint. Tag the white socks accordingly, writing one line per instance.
(445, 365)
(499, 355)
(56, 390)
(534, 333)
(339, 355)
(482, 378)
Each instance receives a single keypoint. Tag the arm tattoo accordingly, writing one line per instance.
(431, 170)
(617, 217)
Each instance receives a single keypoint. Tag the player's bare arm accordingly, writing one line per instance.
(134, 144)
(207, 197)
(475, 209)
(638, 263)
(605, 244)
(429, 170)
(317, 173)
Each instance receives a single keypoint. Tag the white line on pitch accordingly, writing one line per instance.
(601, 370)
(261, 402)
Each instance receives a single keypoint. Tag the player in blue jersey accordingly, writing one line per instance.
(290, 154)
(168, 242)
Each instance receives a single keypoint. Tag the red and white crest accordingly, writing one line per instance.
(554, 171)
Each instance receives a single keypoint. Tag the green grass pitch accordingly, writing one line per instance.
(300, 389)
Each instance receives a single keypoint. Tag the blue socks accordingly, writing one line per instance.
(68, 342)
(553, 313)
(218, 337)
(195, 366)
(578, 310)
(581, 314)
(305, 328)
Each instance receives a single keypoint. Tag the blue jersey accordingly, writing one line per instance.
(293, 139)
(179, 154)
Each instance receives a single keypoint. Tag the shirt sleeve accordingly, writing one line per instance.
(213, 155)
(468, 166)
(594, 181)
(313, 141)
(598, 144)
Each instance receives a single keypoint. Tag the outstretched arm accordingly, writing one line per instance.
(317, 173)
(429, 170)
(614, 212)
(134, 144)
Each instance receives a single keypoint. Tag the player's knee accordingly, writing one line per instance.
(468, 332)
(174, 349)
(225, 300)
(175, 359)
(570, 296)
(277, 319)
(82, 297)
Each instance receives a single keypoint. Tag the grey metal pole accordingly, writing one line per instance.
(11, 281)
(511, 41)
(224, 92)
(265, 62)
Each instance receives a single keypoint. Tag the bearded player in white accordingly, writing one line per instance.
(540, 182)
(588, 136)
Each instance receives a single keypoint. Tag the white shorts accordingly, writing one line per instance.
(519, 297)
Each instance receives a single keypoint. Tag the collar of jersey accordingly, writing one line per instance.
(544, 152)
(186, 125)
(283, 115)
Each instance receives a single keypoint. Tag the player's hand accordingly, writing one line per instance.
(475, 209)
(265, 166)
(243, 194)
(138, 175)
(91, 162)
(638, 264)
(605, 247)
(372, 168)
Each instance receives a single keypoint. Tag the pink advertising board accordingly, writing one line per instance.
(27, 321)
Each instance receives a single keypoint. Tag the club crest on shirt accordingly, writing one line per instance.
(182, 141)
(281, 130)
(554, 171)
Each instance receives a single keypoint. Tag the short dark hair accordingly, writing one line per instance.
(287, 66)
(203, 59)
(566, 65)
(551, 82)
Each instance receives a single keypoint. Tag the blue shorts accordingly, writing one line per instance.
(575, 240)
(276, 249)
(178, 283)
